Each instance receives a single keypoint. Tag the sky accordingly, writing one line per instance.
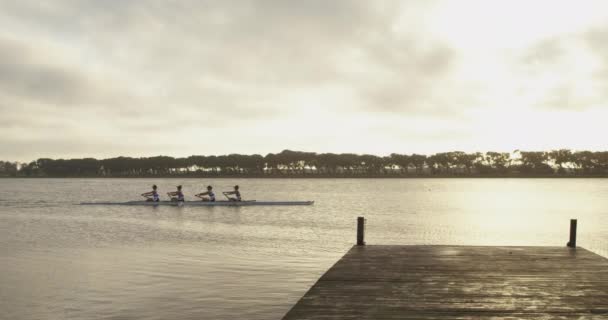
(143, 78)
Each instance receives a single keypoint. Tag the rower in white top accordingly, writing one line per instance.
(176, 196)
(236, 193)
(207, 196)
(152, 195)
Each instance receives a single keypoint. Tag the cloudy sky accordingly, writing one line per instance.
(141, 78)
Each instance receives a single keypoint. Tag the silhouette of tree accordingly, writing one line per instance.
(297, 163)
(419, 162)
(497, 161)
(401, 160)
(535, 162)
(8, 169)
(560, 157)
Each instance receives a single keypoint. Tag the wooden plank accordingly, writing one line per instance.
(459, 282)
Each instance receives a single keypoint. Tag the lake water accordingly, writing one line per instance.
(59, 260)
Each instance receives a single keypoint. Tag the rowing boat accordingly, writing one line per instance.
(203, 203)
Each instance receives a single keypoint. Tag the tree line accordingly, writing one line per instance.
(289, 163)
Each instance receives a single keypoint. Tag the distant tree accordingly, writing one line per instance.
(29, 170)
(433, 162)
(401, 160)
(589, 162)
(497, 161)
(467, 160)
(560, 157)
(371, 164)
(602, 160)
(296, 163)
(8, 169)
(535, 162)
(418, 161)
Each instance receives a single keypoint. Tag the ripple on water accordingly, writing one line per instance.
(64, 261)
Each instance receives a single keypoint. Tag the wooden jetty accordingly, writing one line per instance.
(460, 282)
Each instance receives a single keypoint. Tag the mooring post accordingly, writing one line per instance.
(572, 242)
(360, 231)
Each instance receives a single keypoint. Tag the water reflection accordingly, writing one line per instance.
(61, 260)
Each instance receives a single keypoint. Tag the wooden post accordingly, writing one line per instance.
(360, 231)
(572, 242)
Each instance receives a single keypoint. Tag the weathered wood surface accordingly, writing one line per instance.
(460, 282)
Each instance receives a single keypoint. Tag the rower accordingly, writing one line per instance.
(176, 195)
(209, 193)
(236, 193)
(152, 195)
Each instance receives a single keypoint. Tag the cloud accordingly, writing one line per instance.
(565, 72)
(411, 81)
(597, 40)
(22, 73)
(546, 52)
(240, 56)
(186, 75)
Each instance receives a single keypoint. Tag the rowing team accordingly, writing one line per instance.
(178, 195)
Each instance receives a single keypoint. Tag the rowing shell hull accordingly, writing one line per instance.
(203, 203)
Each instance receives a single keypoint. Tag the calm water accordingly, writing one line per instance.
(59, 260)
